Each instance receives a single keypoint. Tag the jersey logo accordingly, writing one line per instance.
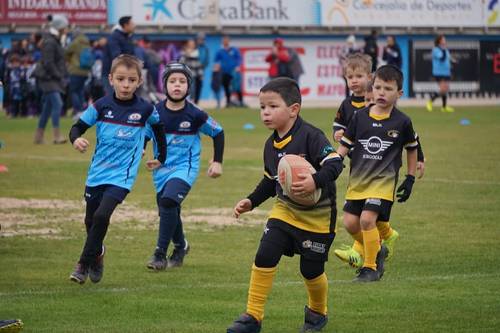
(134, 117)
(393, 133)
(185, 124)
(123, 134)
(377, 125)
(375, 145)
(109, 115)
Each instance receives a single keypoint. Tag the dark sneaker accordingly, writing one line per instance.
(11, 325)
(381, 256)
(158, 261)
(80, 273)
(96, 270)
(313, 321)
(245, 324)
(366, 274)
(177, 257)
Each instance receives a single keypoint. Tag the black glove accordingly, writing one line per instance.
(404, 190)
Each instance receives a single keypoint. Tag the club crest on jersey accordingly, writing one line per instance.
(185, 125)
(135, 117)
(375, 145)
(393, 133)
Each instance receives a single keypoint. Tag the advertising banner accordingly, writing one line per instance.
(80, 12)
(490, 67)
(492, 13)
(322, 78)
(464, 71)
(217, 12)
(403, 13)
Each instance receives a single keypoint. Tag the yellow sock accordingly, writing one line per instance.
(371, 241)
(359, 247)
(317, 289)
(384, 229)
(261, 281)
(358, 243)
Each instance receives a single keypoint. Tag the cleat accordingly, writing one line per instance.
(428, 106)
(381, 256)
(366, 274)
(96, 270)
(313, 321)
(448, 109)
(177, 257)
(348, 255)
(389, 243)
(11, 325)
(245, 324)
(80, 273)
(158, 261)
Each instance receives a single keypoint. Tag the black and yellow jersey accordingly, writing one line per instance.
(346, 110)
(310, 143)
(378, 143)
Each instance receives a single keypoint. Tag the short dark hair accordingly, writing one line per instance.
(124, 20)
(287, 88)
(437, 40)
(390, 73)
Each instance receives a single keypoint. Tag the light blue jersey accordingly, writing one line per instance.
(120, 130)
(441, 62)
(182, 131)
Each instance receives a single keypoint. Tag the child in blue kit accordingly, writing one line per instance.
(121, 120)
(183, 124)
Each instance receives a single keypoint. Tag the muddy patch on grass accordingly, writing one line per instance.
(47, 218)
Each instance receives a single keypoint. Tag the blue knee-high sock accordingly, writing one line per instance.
(169, 220)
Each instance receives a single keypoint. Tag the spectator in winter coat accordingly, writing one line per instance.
(119, 42)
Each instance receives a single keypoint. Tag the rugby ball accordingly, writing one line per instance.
(289, 167)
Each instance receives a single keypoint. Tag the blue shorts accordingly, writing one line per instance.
(175, 189)
(98, 192)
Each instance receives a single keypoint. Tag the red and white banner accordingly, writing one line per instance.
(322, 78)
(79, 12)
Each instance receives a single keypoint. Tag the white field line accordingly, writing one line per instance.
(239, 285)
(250, 168)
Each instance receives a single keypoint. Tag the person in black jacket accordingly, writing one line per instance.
(50, 74)
(371, 48)
(392, 53)
(119, 42)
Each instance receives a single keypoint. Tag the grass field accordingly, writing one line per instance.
(445, 276)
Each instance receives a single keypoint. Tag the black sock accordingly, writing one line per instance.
(444, 97)
(434, 96)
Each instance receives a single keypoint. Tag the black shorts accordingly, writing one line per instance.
(381, 206)
(440, 78)
(310, 245)
(113, 191)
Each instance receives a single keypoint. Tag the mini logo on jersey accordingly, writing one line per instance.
(109, 115)
(306, 244)
(375, 145)
(373, 201)
(134, 117)
(180, 196)
(376, 125)
(393, 133)
(266, 229)
(88, 195)
(185, 124)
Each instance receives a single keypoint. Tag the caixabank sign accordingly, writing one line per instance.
(215, 12)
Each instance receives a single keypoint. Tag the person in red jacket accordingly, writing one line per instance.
(279, 59)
